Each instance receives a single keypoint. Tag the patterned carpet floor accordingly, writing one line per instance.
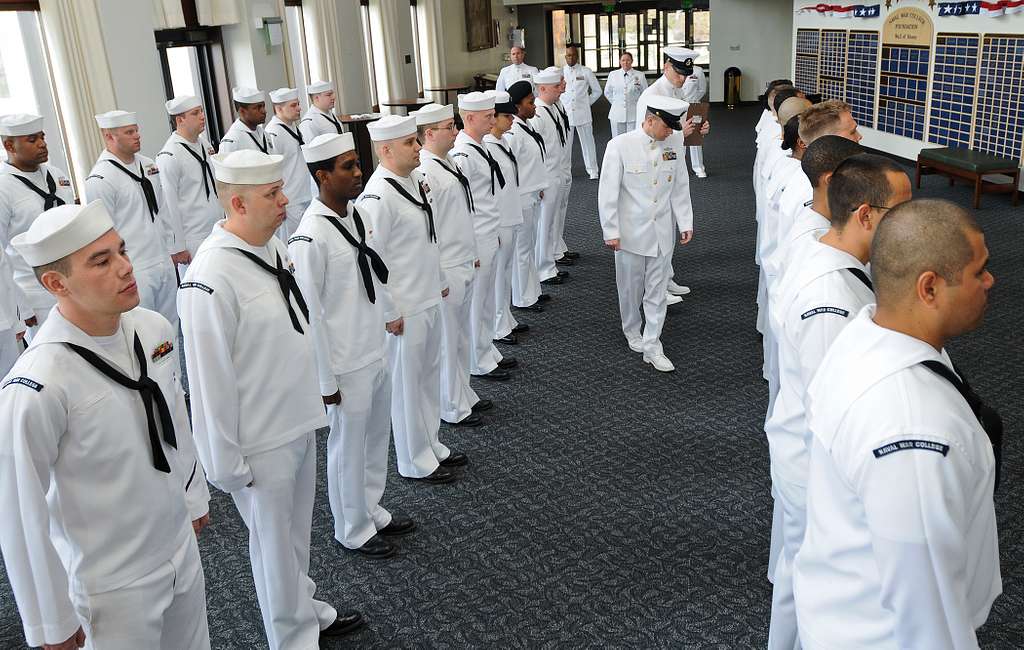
(607, 504)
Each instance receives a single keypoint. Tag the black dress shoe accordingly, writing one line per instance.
(564, 261)
(376, 548)
(455, 459)
(562, 274)
(534, 308)
(554, 280)
(511, 339)
(495, 375)
(471, 420)
(440, 476)
(350, 621)
(573, 255)
(400, 525)
(483, 405)
(507, 362)
(544, 297)
(520, 328)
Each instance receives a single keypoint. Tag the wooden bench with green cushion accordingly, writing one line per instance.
(970, 165)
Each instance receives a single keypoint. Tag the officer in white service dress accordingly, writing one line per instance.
(98, 477)
(29, 184)
(644, 196)
(340, 275)
(693, 91)
(244, 320)
(518, 70)
(623, 88)
(247, 132)
(189, 190)
(453, 221)
(129, 186)
(400, 206)
(582, 89)
(901, 549)
(285, 140)
(486, 185)
(320, 118)
(549, 125)
(816, 299)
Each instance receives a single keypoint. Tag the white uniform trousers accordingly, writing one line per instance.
(641, 283)
(457, 396)
(525, 283)
(164, 609)
(618, 128)
(158, 290)
(357, 453)
(697, 159)
(504, 321)
(546, 235)
(563, 207)
(587, 146)
(484, 357)
(278, 511)
(415, 358)
(10, 350)
(782, 628)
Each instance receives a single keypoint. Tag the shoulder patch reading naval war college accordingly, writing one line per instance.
(300, 238)
(824, 310)
(369, 196)
(196, 285)
(907, 445)
(24, 381)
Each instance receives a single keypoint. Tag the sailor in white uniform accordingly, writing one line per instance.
(129, 186)
(29, 184)
(247, 131)
(563, 256)
(816, 299)
(486, 185)
(582, 89)
(99, 482)
(285, 140)
(400, 207)
(189, 190)
(530, 150)
(320, 118)
(548, 123)
(643, 198)
(245, 320)
(12, 323)
(518, 70)
(623, 88)
(901, 549)
(340, 275)
(453, 220)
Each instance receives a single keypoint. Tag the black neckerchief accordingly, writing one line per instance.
(862, 276)
(463, 181)
(558, 125)
(565, 117)
(295, 134)
(147, 187)
(422, 205)
(261, 147)
(150, 393)
(536, 138)
(366, 256)
(49, 195)
(333, 120)
(493, 164)
(204, 168)
(289, 287)
(512, 157)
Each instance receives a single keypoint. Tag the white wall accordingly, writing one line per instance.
(756, 37)
(461, 64)
(248, 62)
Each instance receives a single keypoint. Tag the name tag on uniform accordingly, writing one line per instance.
(907, 445)
(668, 154)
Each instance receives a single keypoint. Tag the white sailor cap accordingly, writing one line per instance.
(502, 102)
(476, 101)
(62, 230)
(247, 167)
(327, 145)
(548, 76)
(114, 119)
(246, 95)
(20, 124)
(681, 57)
(282, 95)
(319, 87)
(434, 113)
(669, 109)
(391, 127)
(180, 105)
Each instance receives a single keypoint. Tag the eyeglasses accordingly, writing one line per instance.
(442, 128)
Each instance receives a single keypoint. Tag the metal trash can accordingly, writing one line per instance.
(733, 76)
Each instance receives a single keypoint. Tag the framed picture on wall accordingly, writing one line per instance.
(480, 32)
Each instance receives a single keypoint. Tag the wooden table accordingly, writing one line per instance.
(364, 147)
(407, 104)
(447, 89)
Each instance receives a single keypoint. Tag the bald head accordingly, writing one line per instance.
(825, 154)
(917, 237)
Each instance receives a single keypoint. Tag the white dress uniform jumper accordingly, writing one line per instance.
(285, 140)
(317, 122)
(239, 136)
(622, 89)
(189, 190)
(530, 150)
(549, 125)
(582, 89)
(509, 228)
(12, 306)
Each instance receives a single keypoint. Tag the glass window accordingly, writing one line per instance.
(192, 61)
(675, 28)
(559, 34)
(702, 36)
(416, 47)
(298, 58)
(590, 39)
(368, 53)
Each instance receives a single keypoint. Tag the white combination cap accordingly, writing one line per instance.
(60, 231)
(319, 87)
(114, 119)
(680, 54)
(669, 109)
(327, 145)
(20, 124)
(247, 167)
(180, 105)
(476, 101)
(391, 127)
(246, 95)
(282, 95)
(548, 76)
(434, 113)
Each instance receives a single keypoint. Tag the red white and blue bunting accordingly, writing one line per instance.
(979, 8)
(848, 11)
